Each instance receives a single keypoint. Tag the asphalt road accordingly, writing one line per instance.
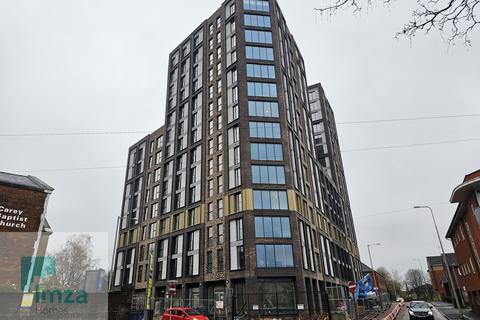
(403, 314)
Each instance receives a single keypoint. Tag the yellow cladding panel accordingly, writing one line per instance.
(198, 214)
(247, 199)
(292, 203)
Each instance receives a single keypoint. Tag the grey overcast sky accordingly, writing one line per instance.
(100, 65)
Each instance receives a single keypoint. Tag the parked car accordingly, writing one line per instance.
(183, 314)
(420, 310)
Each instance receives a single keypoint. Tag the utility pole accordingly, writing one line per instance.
(445, 262)
(371, 264)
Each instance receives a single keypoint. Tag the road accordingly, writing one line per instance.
(403, 314)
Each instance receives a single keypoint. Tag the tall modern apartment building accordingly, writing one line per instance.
(229, 201)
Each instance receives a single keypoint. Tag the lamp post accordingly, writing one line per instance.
(445, 262)
(424, 281)
(371, 263)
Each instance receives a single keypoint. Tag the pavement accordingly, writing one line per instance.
(451, 313)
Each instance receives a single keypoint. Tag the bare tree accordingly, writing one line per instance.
(414, 278)
(455, 18)
(71, 262)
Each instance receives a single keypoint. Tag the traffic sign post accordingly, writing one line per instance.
(352, 286)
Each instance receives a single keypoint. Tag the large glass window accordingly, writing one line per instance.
(266, 151)
(270, 199)
(265, 130)
(268, 174)
(257, 21)
(256, 5)
(256, 36)
(276, 296)
(274, 256)
(262, 89)
(237, 254)
(259, 53)
(272, 227)
(263, 109)
(260, 71)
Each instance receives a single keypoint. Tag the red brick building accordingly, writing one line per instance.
(439, 277)
(24, 233)
(464, 233)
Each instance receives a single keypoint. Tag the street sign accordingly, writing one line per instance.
(173, 289)
(352, 286)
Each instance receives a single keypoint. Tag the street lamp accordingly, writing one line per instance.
(450, 281)
(424, 281)
(371, 263)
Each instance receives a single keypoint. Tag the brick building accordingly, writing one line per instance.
(228, 200)
(439, 277)
(24, 233)
(464, 232)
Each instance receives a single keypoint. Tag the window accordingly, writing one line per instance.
(257, 21)
(118, 269)
(210, 147)
(269, 199)
(274, 256)
(262, 89)
(219, 22)
(277, 295)
(237, 203)
(220, 208)
(266, 151)
(219, 122)
(220, 184)
(220, 163)
(129, 263)
(268, 174)
(176, 222)
(210, 236)
(260, 71)
(210, 29)
(156, 192)
(220, 259)
(209, 262)
(272, 227)
(153, 230)
(210, 188)
(263, 109)
(191, 217)
(237, 254)
(176, 260)
(219, 104)
(210, 59)
(256, 5)
(154, 210)
(210, 211)
(265, 130)
(264, 37)
(219, 142)
(162, 250)
(193, 252)
(220, 234)
(259, 53)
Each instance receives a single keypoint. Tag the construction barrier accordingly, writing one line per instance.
(393, 314)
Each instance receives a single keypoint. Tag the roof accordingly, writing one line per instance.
(25, 182)
(438, 260)
(365, 268)
(469, 185)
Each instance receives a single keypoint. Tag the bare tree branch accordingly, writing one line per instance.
(455, 18)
